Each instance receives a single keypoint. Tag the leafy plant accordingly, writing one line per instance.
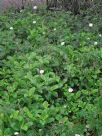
(51, 75)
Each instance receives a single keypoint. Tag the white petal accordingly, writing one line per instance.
(88, 38)
(95, 43)
(70, 90)
(90, 25)
(43, 32)
(41, 71)
(21, 11)
(77, 135)
(65, 106)
(100, 35)
(35, 7)
(34, 22)
(16, 133)
(11, 28)
(87, 126)
(62, 43)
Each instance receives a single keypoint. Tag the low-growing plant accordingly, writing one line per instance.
(51, 75)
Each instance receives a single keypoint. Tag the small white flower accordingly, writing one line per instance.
(100, 35)
(21, 11)
(85, 130)
(88, 38)
(43, 32)
(77, 135)
(35, 7)
(54, 29)
(16, 133)
(62, 43)
(41, 71)
(11, 28)
(87, 126)
(70, 90)
(90, 25)
(88, 134)
(34, 22)
(95, 43)
(65, 106)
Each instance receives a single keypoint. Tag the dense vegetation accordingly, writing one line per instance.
(51, 74)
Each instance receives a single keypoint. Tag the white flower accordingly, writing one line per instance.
(41, 71)
(16, 133)
(95, 43)
(11, 28)
(90, 25)
(54, 29)
(35, 7)
(62, 43)
(77, 135)
(88, 38)
(100, 35)
(87, 126)
(85, 130)
(34, 22)
(70, 90)
(65, 106)
(88, 134)
(43, 32)
(21, 11)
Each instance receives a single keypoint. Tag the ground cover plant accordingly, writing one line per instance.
(50, 74)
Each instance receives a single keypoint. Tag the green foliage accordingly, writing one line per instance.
(40, 62)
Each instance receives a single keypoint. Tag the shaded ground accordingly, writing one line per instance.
(4, 4)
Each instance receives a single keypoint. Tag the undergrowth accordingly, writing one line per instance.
(51, 74)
